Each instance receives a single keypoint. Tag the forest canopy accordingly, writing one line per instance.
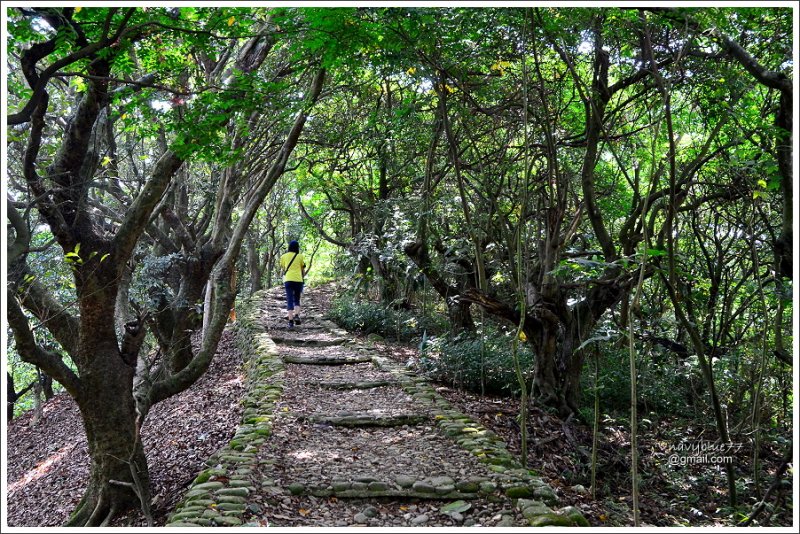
(583, 184)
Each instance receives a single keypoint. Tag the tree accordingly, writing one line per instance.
(112, 383)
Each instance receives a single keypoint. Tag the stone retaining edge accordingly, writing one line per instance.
(532, 493)
(218, 495)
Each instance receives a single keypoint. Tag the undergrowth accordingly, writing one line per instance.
(368, 317)
(481, 364)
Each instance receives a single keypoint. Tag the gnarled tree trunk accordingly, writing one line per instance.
(118, 478)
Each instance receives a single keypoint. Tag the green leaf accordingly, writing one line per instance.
(455, 507)
(656, 252)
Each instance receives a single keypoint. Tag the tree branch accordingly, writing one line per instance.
(55, 317)
(31, 352)
(139, 213)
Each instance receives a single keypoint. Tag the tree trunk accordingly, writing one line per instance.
(783, 245)
(548, 378)
(11, 397)
(460, 316)
(118, 464)
(47, 385)
(118, 474)
(556, 333)
(458, 309)
(254, 267)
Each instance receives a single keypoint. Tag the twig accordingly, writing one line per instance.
(759, 507)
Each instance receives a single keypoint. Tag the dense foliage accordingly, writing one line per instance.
(523, 192)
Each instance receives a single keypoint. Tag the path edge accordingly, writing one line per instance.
(218, 495)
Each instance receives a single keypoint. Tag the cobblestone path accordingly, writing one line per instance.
(335, 435)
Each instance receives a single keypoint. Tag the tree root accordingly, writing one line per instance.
(79, 516)
(111, 513)
(103, 500)
(99, 509)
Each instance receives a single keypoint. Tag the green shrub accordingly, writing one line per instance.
(662, 386)
(367, 317)
(467, 362)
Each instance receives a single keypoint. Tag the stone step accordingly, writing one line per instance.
(367, 384)
(309, 342)
(441, 487)
(305, 327)
(367, 419)
(325, 360)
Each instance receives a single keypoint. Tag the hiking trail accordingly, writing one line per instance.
(334, 434)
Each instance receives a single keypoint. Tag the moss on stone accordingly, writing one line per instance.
(519, 492)
(574, 515)
(231, 506)
(467, 486)
(230, 521)
(238, 492)
(551, 520)
(202, 477)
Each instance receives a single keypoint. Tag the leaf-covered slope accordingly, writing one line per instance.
(48, 461)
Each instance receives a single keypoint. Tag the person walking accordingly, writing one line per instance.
(294, 270)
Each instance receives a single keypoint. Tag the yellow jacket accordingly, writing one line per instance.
(295, 272)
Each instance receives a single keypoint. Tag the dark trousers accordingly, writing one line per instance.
(293, 291)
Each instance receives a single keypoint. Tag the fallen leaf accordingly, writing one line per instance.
(456, 506)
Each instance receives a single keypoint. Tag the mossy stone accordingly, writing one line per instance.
(183, 515)
(546, 494)
(423, 487)
(467, 486)
(196, 494)
(550, 520)
(340, 485)
(532, 509)
(238, 492)
(197, 503)
(519, 492)
(574, 515)
(232, 499)
(487, 487)
(404, 481)
(230, 521)
(202, 477)
(231, 506)
(377, 486)
(295, 488)
(502, 460)
(208, 486)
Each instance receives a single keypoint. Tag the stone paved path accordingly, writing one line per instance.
(335, 435)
